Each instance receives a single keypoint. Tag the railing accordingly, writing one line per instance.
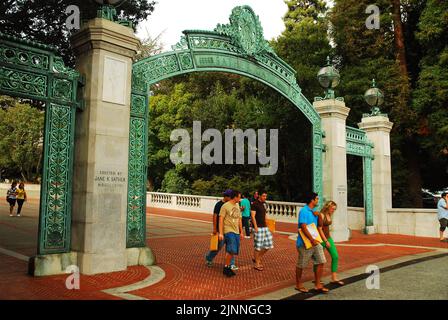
(279, 210)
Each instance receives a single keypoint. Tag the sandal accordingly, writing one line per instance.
(322, 290)
(338, 282)
(302, 289)
(260, 268)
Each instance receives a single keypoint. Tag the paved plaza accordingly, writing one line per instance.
(180, 241)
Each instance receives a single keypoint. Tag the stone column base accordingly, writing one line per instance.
(339, 235)
(369, 230)
(51, 264)
(140, 257)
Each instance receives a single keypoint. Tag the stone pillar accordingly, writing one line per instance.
(333, 114)
(378, 129)
(104, 52)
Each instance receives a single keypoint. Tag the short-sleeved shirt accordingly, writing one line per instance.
(441, 211)
(216, 210)
(12, 193)
(306, 216)
(231, 215)
(260, 213)
(246, 204)
(20, 194)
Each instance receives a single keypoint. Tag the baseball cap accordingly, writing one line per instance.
(227, 193)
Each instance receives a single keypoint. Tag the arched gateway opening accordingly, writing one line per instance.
(238, 48)
(93, 197)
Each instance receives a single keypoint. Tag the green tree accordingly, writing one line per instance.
(166, 113)
(44, 21)
(21, 140)
(305, 44)
(430, 98)
(174, 182)
(364, 54)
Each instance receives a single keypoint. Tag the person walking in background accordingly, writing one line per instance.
(212, 254)
(21, 197)
(263, 240)
(231, 229)
(306, 218)
(245, 209)
(11, 197)
(442, 214)
(254, 197)
(324, 223)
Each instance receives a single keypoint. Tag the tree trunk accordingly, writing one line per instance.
(399, 38)
(414, 177)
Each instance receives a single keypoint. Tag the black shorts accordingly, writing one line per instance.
(443, 224)
(12, 202)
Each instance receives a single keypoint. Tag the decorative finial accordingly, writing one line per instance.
(374, 98)
(328, 78)
(108, 11)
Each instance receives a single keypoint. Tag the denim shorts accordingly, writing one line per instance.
(232, 243)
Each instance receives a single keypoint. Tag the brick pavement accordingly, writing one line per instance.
(180, 246)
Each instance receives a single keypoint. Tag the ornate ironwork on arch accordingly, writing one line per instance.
(359, 145)
(34, 71)
(238, 47)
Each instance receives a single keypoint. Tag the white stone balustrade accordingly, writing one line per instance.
(279, 210)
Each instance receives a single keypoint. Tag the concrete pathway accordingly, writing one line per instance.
(421, 280)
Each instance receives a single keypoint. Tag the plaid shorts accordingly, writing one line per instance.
(316, 252)
(263, 239)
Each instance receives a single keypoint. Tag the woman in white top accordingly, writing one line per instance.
(11, 197)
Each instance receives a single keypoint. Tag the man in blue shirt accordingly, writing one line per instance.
(307, 216)
(442, 214)
(212, 254)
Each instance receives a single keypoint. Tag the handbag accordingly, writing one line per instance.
(312, 229)
(270, 223)
(214, 242)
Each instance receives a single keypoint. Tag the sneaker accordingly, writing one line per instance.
(227, 271)
(11, 215)
(233, 267)
(208, 262)
(18, 215)
(247, 237)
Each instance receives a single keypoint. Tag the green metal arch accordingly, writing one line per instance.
(34, 71)
(238, 48)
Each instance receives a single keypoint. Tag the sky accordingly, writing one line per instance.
(171, 17)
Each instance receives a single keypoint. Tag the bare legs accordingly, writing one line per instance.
(258, 255)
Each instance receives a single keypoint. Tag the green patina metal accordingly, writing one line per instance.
(358, 145)
(238, 47)
(109, 12)
(34, 71)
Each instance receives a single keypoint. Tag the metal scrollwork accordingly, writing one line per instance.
(32, 70)
(238, 47)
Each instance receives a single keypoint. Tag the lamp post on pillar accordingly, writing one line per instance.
(333, 113)
(377, 127)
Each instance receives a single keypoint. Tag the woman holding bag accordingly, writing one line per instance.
(324, 223)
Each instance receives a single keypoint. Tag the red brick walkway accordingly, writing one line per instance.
(180, 254)
(15, 284)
